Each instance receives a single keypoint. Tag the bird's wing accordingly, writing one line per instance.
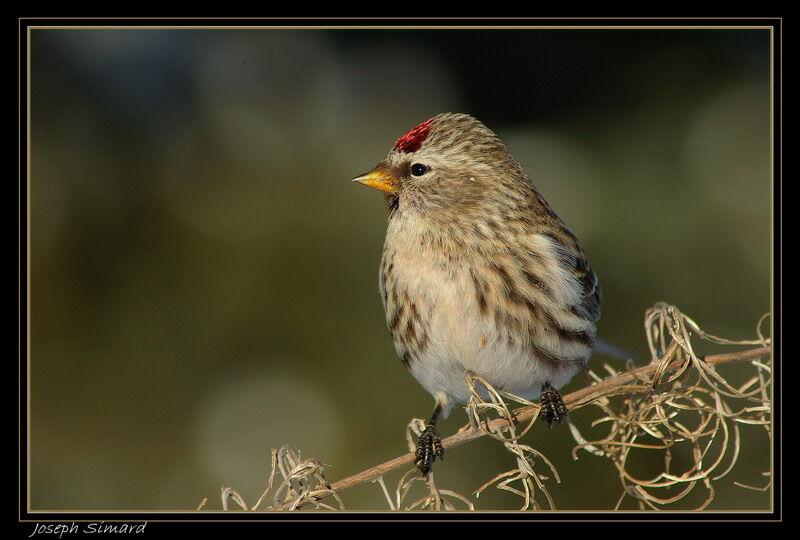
(592, 293)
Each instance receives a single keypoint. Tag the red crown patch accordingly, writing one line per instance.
(411, 141)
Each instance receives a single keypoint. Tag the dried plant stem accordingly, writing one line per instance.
(628, 382)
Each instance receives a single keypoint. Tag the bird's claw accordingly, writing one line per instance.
(552, 406)
(429, 447)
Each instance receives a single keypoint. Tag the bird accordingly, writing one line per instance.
(478, 273)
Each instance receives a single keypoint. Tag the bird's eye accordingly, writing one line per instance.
(418, 169)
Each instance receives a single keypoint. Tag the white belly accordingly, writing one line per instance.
(461, 338)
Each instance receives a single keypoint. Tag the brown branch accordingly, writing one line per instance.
(628, 382)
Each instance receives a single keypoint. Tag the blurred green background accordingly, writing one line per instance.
(203, 274)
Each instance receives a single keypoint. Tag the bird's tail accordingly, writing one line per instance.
(603, 347)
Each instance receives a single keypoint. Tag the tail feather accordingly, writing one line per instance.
(603, 347)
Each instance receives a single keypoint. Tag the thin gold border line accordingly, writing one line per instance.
(28, 265)
(399, 27)
(378, 27)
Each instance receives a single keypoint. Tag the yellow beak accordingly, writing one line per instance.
(379, 179)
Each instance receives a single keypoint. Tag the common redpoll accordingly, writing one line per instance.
(478, 272)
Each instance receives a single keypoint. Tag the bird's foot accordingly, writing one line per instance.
(553, 408)
(429, 447)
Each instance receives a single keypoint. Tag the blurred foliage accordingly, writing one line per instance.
(204, 275)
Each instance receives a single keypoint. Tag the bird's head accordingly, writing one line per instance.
(448, 164)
